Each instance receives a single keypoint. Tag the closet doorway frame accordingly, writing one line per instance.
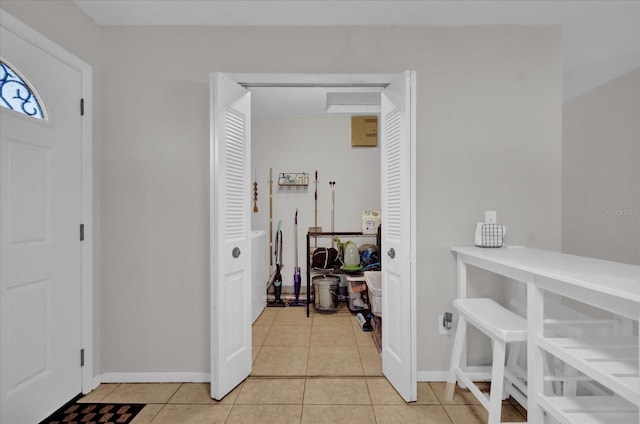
(298, 80)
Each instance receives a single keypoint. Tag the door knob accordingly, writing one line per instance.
(235, 252)
(392, 253)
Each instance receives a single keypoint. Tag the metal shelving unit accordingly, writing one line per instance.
(326, 235)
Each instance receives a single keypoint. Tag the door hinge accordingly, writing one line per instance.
(81, 107)
(82, 357)
(81, 232)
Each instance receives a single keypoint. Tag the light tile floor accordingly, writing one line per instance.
(287, 343)
(321, 369)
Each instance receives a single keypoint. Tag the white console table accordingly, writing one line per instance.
(611, 361)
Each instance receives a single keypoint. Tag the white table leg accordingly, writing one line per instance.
(462, 294)
(535, 357)
(462, 278)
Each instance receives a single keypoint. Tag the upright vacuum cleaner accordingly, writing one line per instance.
(276, 279)
(296, 273)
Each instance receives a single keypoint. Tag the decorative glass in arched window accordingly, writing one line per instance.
(15, 93)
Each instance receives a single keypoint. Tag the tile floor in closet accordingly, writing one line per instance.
(321, 369)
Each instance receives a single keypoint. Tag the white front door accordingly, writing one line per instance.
(398, 244)
(230, 226)
(40, 247)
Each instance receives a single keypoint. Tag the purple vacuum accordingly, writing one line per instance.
(296, 273)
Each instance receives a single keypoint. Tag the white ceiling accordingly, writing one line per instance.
(600, 39)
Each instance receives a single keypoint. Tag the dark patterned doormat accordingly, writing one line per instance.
(95, 413)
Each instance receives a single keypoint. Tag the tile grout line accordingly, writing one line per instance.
(444, 407)
(174, 393)
(304, 393)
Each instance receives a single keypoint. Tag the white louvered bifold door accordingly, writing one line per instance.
(230, 227)
(398, 290)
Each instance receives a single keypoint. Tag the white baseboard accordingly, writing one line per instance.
(475, 373)
(432, 376)
(197, 377)
(155, 377)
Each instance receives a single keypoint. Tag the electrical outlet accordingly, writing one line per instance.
(490, 217)
(442, 330)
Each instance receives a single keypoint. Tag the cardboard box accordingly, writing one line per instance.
(364, 131)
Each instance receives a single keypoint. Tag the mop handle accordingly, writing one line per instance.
(316, 199)
(333, 205)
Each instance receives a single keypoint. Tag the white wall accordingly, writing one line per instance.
(483, 92)
(601, 172)
(488, 139)
(62, 22)
(307, 145)
(486, 95)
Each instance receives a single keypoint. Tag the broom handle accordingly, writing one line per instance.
(315, 243)
(333, 207)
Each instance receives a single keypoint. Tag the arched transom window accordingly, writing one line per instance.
(15, 93)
